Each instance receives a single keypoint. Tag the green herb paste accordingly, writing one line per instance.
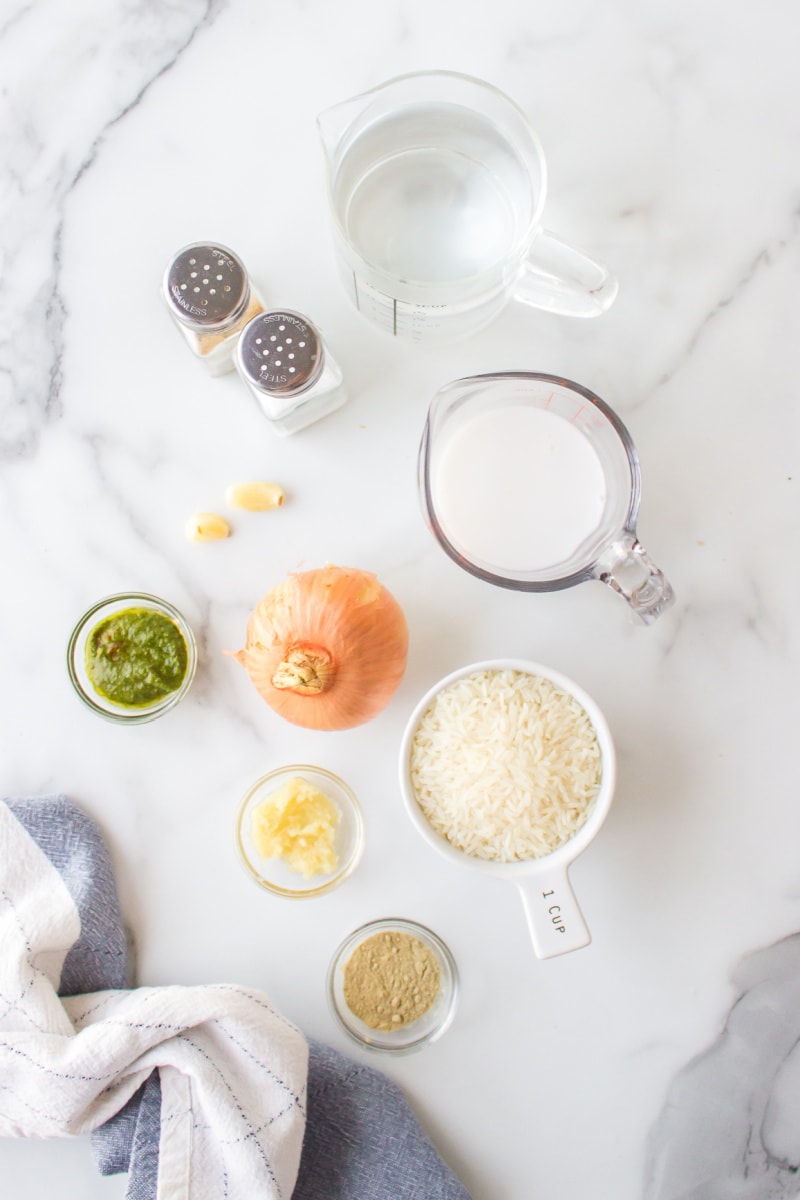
(136, 657)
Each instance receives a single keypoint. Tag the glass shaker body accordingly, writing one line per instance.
(210, 298)
(284, 362)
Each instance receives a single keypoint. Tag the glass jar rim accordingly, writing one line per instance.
(119, 714)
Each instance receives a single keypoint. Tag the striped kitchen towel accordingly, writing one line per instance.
(195, 1092)
(206, 1084)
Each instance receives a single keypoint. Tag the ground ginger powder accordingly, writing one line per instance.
(390, 979)
(297, 823)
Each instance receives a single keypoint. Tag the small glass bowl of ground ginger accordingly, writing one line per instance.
(299, 831)
(392, 986)
(131, 657)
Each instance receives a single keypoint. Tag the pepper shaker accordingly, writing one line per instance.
(211, 298)
(282, 358)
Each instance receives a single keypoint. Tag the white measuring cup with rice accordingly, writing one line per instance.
(555, 920)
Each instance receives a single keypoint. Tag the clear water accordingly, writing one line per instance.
(432, 216)
(433, 195)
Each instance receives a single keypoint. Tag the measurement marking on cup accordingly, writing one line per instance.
(394, 317)
(355, 289)
(554, 912)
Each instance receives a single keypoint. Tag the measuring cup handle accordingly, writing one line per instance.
(629, 570)
(562, 279)
(555, 921)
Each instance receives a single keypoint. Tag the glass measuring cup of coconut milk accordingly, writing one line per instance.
(531, 482)
(436, 183)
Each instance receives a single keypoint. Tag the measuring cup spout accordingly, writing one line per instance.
(334, 122)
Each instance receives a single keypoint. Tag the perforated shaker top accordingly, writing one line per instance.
(280, 352)
(207, 286)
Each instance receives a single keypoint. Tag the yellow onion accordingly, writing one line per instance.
(327, 648)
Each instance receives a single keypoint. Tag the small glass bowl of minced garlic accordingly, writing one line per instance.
(299, 831)
(393, 985)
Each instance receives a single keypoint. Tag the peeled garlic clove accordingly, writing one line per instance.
(255, 497)
(207, 527)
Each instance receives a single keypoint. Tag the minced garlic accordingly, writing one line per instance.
(297, 823)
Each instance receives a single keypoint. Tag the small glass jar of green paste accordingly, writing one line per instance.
(131, 657)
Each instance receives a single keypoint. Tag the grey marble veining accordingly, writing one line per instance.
(102, 73)
(730, 1127)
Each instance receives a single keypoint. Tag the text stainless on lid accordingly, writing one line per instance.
(206, 285)
(281, 352)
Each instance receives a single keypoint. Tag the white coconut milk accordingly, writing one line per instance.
(518, 488)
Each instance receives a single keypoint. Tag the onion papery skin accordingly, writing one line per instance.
(351, 623)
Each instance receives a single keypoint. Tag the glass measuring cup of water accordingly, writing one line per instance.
(437, 183)
(532, 482)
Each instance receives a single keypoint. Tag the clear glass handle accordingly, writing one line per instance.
(555, 921)
(628, 569)
(561, 279)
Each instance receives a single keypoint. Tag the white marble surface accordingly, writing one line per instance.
(671, 131)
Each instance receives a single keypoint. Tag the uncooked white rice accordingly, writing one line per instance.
(505, 765)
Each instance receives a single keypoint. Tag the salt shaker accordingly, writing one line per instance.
(211, 298)
(285, 363)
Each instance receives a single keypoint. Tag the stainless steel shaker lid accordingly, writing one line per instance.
(280, 352)
(207, 286)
